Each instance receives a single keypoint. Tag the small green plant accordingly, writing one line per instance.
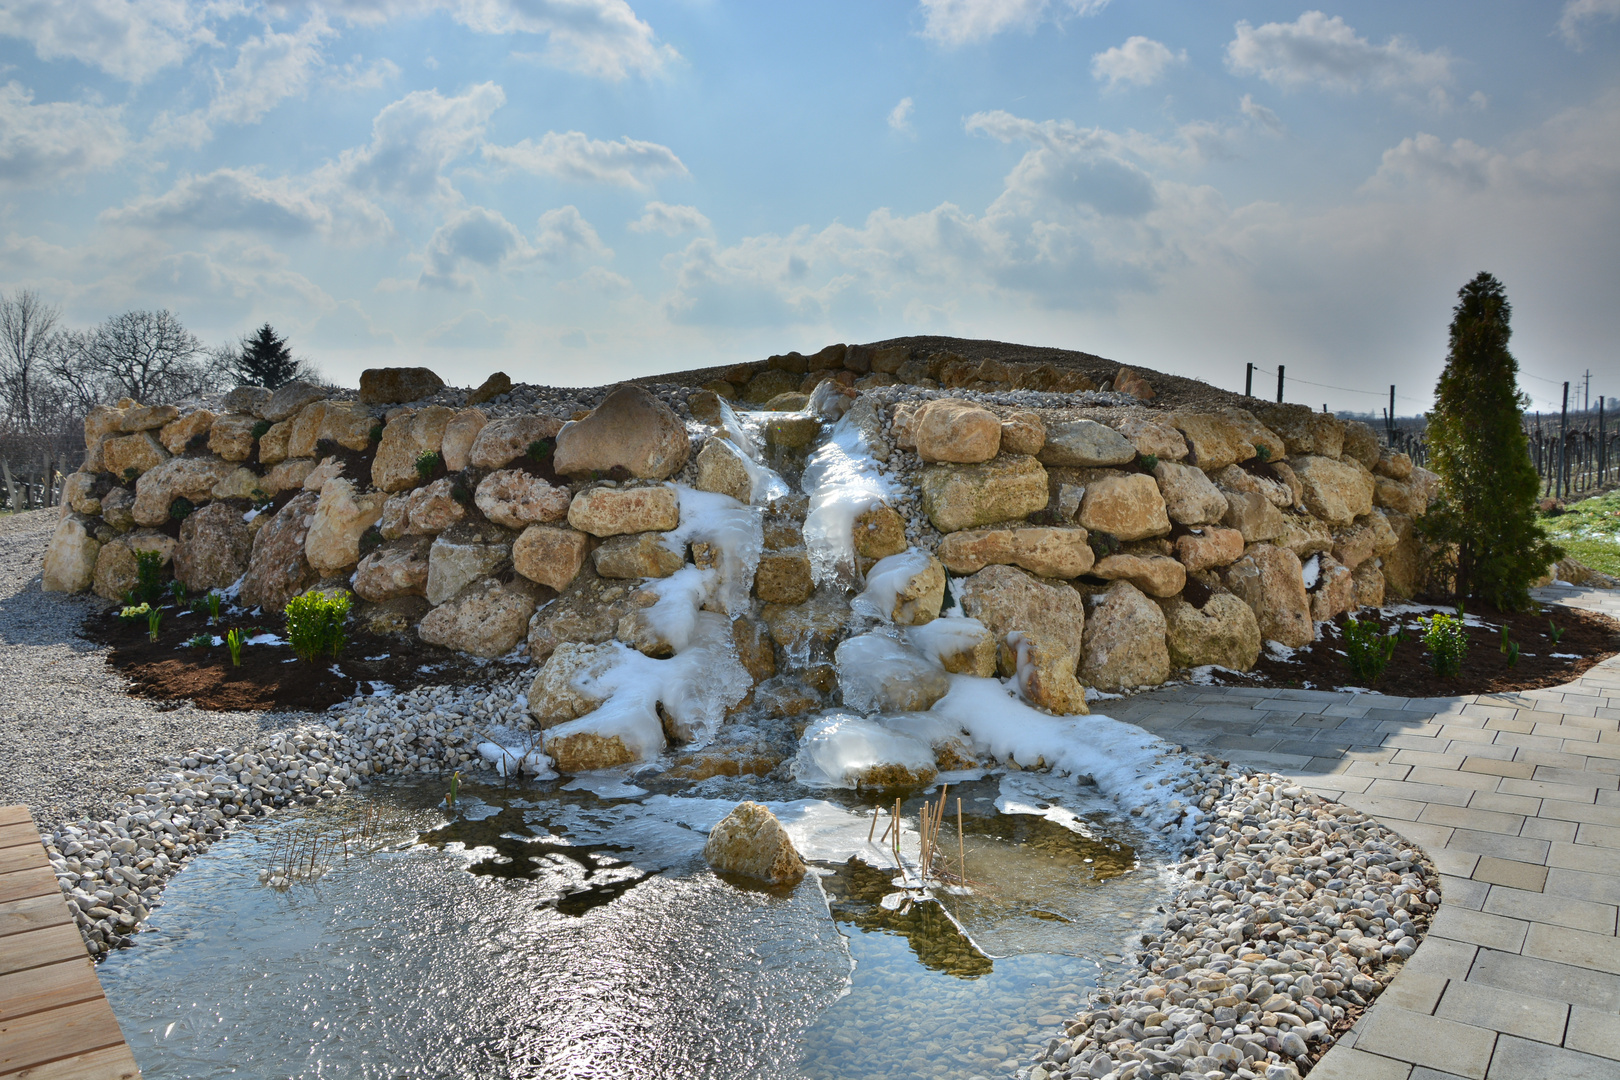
(200, 641)
(148, 576)
(1512, 651)
(426, 463)
(1368, 649)
(131, 475)
(315, 624)
(181, 508)
(1103, 544)
(260, 430)
(133, 612)
(1148, 462)
(1447, 641)
(455, 786)
(539, 450)
(154, 619)
(1556, 631)
(376, 432)
(177, 590)
(1263, 452)
(212, 600)
(460, 493)
(233, 642)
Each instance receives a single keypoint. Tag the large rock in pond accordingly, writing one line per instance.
(632, 430)
(116, 567)
(188, 478)
(1190, 498)
(955, 431)
(1271, 581)
(752, 843)
(1124, 643)
(1041, 549)
(132, 455)
(612, 510)
(553, 696)
(1223, 632)
(341, 516)
(879, 673)
(278, 570)
(1127, 507)
(550, 554)
(957, 497)
(215, 545)
(393, 385)
(70, 560)
(501, 442)
(518, 499)
(1337, 492)
(396, 568)
(406, 438)
(462, 554)
(486, 618)
(1085, 444)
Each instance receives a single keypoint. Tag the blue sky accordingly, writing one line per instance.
(581, 190)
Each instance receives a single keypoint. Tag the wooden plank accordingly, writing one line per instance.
(33, 913)
(43, 1037)
(112, 1063)
(48, 987)
(21, 858)
(40, 947)
(23, 832)
(13, 815)
(34, 881)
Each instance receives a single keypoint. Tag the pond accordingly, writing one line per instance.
(544, 930)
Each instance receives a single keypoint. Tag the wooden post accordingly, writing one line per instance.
(1248, 380)
(1280, 370)
(1603, 446)
(1562, 488)
(11, 487)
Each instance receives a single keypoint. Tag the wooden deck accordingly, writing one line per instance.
(54, 1022)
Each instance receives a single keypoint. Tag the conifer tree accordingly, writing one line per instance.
(265, 360)
(1486, 511)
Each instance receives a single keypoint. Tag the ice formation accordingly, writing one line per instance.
(945, 636)
(838, 748)
(514, 752)
(734, 530)
(876, 669)
(765, 486)
(885, 580)
(843, 480)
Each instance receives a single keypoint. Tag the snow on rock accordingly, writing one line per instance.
(843, 480)
(887, 581)
(879, 672)
(844, 750)
(736, 532)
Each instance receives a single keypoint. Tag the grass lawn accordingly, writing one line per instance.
(1590, 531)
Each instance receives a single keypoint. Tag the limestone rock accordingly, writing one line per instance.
(79, 493)
(1398, 495)
(1046, 675)
(1156, 575)
(631, 429)
(347, 423)
(1224, 632)
(100, 424)
(768, 384)
(146, 417)
(959, 497)
(879, 532)
(1189, 496)
(753, 644)
(397, 616)
(287, 474)
(138, 453)
(273, 443)
(1023, 433)
(1369, 584)
(1303, 430)
(1335, 591)
(704, 405)
(278, 569)
(517, 499)
(578, 751)
(391, 385)
(1395, 465)
(1368, 537)
(1045, 550)
(1154, 436)
(807, 628)
(305, 431)
(1215, 441)
(240, 484)
(1304, 536)
(247, 399)
(879, 673)
(611, 511)
(501, 442)
(288, 400)
(1270, 580)
(70, 559)
(554, 697)
(117, 508)
(1236, 478)
(406, 438)
(433, 508)
(1085, 444)
(176, 434)
(190, 478)
(919, 597)
(720, 468)
(1129, 382)
(550, 554)
(341, 515)
(792, 432)
(955, 431)
(637, 555)
(1125, 641)
(784, 577)
(116, 573)
(1361, 444)
(462, 554)
(1005, 600)
(1128, 507)
(397, 568)
(460, 433)
(486, 618)
(1253, 515)
(1404, 568)
(214, 548)
(1337, 492)
(1209, 550)
(752, 843)
(316, 478)
(491, 388)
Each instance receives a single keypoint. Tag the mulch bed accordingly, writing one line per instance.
(270, 676)
(1588, 638)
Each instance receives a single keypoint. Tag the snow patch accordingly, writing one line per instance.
(885, 581)
(843, 481)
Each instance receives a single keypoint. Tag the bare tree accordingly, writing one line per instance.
(29, 341)
(145, 355)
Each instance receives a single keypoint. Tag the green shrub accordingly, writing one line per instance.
(182, 508)
(426, 463)
(260, 430)
(154, 619)
(539, 450)
(1148, 462)
(1446, 638)
(177, 590)
(233, 642)
(1368, 649)
(376, 432)
(148, 577)
(315, 624)
(1103, 544)
(200, 641)
(1262, 451)
(460, 493)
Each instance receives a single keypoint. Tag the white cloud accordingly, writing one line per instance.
(963, 22)
(900, 116)
(242, 200)
(358, 75)
(472, 330)
(1316, 50)
(1261, 115)
(1140, 62)
(414, 138)
(1577, 13)
(46, 144)
(658, 217)
(483, 237)
(603, 38)
(565, 237)
(129, 39)
(572, 155)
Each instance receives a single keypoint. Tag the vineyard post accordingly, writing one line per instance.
(1561, 489)
(1248, 380)
(1280, 370)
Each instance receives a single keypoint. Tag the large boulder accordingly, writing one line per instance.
(1050, 551)
(81, 493)
(285, 475)
(118, 509)
(231, 436)
(146, 417)
(278, 569)
(632, 430)
(1337, 492)
(289, 399)
(127, 455)
(1303, 430)
(1405, 567)
(1304, 535)
(1124, 644)
(101, 423)
(1368, 537)
(1253, 515)
(70, 560)
(341, 515)
(959, 497)
(1369, 584)
(396, 568)
(273, 443)
(576, 749)
(1190, 498)
(955, 431)
(241, 483)
(1209, 549)
(115, 572)
(637, 555)
(1153, 436)
(1223, 632)
(462, 554)
(1401, 496)
(1335, 591)
(1271, 581)
(501, 442)
(610, 510)
(1237, 478)
(177, 434)
(1044, 669)
(1128, 507)
(879, 673)
(392, 385)
(1156, 575)
(215, 545)
(752, 843)
(460, 433)
(405, 438)
(433, 508)
(347, 423)
(1361, 444)
(1085, 444)
(722, 467)
(1023, 433)
(905, 589)
(175, 478)
(879, 532)
(550, 554)
(485, 618)
(518, 499)
(1007, 600)
(555, 696)
(1393, 464)
(498, 383)
(247, 399)
(1220, 437)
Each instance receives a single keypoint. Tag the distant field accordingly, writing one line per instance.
(1590, 532)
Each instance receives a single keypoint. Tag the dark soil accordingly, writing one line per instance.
(270, 677)
(1587, 636)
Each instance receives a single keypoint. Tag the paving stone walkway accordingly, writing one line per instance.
(1517, 800)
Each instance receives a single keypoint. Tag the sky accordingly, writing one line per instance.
(579, 191)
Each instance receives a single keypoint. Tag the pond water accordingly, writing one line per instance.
(551, 931)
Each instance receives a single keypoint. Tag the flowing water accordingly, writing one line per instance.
(551, 931)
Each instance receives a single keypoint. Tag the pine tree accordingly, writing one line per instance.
(1485, 515)
(266, 361)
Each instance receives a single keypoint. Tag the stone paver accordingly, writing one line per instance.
(1516, 798)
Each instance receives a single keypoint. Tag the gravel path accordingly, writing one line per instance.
(71, 740)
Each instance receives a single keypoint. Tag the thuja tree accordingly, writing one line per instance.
(265, 360)
(1485, 516)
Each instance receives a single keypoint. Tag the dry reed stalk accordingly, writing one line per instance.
(961, 845)
(873, 830)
